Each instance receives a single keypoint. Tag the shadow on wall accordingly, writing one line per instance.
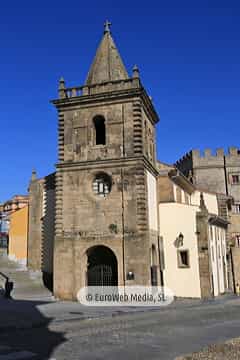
(25, 328)
(48, 228)
(47, 279)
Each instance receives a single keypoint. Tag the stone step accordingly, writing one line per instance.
(26, 284)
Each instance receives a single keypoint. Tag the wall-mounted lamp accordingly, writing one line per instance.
(180, 239)
(130, 275)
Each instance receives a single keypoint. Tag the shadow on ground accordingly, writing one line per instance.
(24, 328)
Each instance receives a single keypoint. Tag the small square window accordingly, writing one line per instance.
(235, 179)
(102, 185)
(183, 259)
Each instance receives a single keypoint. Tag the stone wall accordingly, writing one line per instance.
(41, 229)
(235, 252)
(205, 270)
(34, 257)
(165, 189)
(211, 170)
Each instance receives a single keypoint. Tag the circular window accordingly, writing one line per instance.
(102, 184)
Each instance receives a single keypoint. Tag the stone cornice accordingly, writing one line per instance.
(98, 164)
(110, 96)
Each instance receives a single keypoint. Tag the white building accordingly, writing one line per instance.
(193, 236)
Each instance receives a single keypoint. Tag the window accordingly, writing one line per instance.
(212, 251)
(237, 237)
(100, 131)
(102, 185)
(187, 198)
(211, 233)
(236, 208)
(183, 259)
(235, 179)
(179, 195)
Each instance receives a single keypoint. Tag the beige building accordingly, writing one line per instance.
(193, 236)
(15, 203)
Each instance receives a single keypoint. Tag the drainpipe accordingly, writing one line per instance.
(123, 227)
(122, 189)
(225, 174)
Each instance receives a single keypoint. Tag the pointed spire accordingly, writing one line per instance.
(107, 64)
(135, 72)
(61, 88)
(34, 175)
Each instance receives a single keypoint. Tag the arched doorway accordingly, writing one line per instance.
(102, 267)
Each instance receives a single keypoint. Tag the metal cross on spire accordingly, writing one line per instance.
(107, 25)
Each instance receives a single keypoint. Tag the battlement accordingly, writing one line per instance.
(208, 154)
(185, 158)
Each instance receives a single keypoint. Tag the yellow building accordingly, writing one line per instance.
(17, 249)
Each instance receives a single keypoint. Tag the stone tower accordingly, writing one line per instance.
(106, 229)
(219, 173)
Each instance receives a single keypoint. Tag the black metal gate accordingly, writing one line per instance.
(100, 275)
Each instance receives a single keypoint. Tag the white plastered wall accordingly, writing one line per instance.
(175, 218)
(209, 199)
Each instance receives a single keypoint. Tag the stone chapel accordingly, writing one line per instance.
(111, 214)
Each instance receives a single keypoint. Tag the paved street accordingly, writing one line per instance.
(39, 327)
(156, 334)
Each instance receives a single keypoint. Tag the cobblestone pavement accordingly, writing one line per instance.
(229, 350)
(35, 326)
(160, 334)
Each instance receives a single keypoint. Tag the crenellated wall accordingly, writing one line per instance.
(210, 170)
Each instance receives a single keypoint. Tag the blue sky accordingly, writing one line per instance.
(188, 53)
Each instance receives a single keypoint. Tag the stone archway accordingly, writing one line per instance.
(102, 267)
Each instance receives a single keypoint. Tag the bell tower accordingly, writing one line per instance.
(106, 202)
